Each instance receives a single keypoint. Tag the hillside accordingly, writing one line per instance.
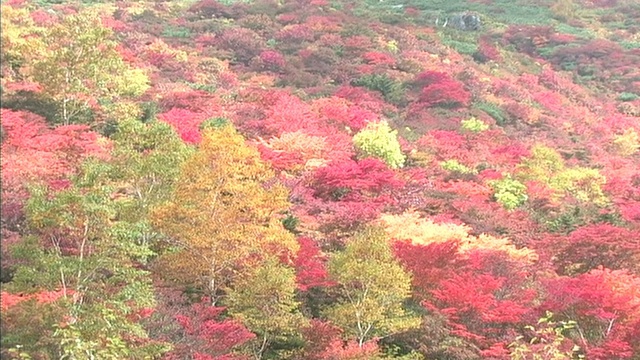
(320, 179)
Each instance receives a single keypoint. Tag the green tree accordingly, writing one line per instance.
(79, 64)
(75, 246)
(379, 141)
(264, 300)
(373, 287)
(221, 212)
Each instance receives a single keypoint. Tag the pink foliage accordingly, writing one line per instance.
(272, 60)
(185, 122)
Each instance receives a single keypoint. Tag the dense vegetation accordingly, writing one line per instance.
(320, 179)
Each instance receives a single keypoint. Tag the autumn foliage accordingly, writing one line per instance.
(324, 180)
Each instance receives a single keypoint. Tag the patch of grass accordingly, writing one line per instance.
(492, 110)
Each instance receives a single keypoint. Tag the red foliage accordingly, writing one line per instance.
(208, 9)
(338, 350)
(43, 18)
(192, 100)
(378, 58)
(428, 263)
(439, 89)
(342, 112)
(295, 33)
(449, 145)
(364, 98)
(244, 43)
(8, 300)
(606, 305)
(350, 180)
(31, 152)
(529, 38)
(310, 265)
(185, 122)
(289, 114)
(279, 159)
(358, 43)
(487, 51)
(597, 245)
(324, 342)
(208, 336)
(477, 308)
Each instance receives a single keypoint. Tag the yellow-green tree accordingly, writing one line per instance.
(79, 64)
(221, 212)
(263, 299)
(374, 287)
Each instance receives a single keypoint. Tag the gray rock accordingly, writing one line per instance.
(466, 21)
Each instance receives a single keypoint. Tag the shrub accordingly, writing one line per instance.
(494, 111)
(379, 141)
(628, 143)
(391, 90)
(509, 193)
(441, 90)
(474, 125)
(626, 96)
(455, 166)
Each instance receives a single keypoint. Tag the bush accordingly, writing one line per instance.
(379, 141)
(626, 96)
(455, 166)
(509, 193)
(474, 125)
(494, 111)
(391, 90)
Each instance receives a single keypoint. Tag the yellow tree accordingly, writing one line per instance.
(222, 211)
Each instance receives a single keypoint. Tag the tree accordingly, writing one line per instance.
(373, 286)
(221, 211)
(263, 299)
(79, 64)
(74, 246)
(379, 141)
